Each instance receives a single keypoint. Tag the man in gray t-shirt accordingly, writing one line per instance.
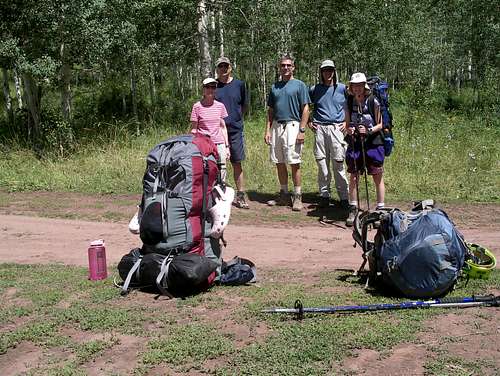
(287, 116)
(328, 124)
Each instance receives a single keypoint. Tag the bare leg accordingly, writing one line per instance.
(238, 176)
(282, 173)
(379, 187)
(353, 183)
(296, 174)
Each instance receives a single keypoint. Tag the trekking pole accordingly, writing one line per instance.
(463, 302)
(355, 167)
(364, 170)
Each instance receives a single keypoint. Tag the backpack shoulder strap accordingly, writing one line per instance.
(350, 103)
(371, 107)
(133, 270)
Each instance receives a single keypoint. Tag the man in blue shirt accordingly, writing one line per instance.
(233, 94)
(287, 116)
(328, 124)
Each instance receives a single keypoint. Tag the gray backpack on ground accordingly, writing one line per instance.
(178, 181)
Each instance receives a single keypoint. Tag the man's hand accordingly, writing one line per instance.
(312, 126)
(267, 137)
(300, 138)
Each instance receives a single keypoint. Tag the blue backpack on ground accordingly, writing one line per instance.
(417, 254)
(380, 89)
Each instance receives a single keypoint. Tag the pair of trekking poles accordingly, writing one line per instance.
(356, 172)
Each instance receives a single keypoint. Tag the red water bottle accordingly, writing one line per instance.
(97, 261)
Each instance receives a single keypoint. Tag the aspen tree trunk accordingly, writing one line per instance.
(203, 42)
(433, 72)
(469, 66)
(180, 80)
(133, 89)
(17, 84)
(221, 33)
(6, 95)
(65, 74)
(124, 104)
(152, 87)
(133, 93)
(32, 94)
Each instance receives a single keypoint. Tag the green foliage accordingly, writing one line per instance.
(91, 349)
(107, 45)
(440, 154)
(186, 344)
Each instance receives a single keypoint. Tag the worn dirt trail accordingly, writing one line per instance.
(32, 240)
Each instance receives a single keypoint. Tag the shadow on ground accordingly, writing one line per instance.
(333, 213)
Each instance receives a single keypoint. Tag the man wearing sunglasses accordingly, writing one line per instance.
(233, 94)
(287, 116)
(328, 124)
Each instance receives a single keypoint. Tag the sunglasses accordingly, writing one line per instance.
(211, 86)
(286, 65)
(223, 65)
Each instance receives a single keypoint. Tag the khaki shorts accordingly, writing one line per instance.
(284, 148)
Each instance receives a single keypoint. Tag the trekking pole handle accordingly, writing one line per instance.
(494, 300)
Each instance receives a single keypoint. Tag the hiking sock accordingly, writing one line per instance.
(353, 203)
(297, 190)
(284, 188)
(380, 205)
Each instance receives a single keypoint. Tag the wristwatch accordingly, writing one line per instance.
(302, 130)
(370, 131)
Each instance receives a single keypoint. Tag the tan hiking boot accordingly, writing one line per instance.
(353, 211)
(241, 200)
(297, 202)
(282, 200)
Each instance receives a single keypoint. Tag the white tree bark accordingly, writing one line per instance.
(6, 93)
(203, 42)
(221, 33)
(152, 86)
(65, 73)
(17, 84)
(133, 89)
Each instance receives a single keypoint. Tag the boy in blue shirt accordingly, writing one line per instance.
(233, 94)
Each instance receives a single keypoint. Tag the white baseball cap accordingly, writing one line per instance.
(209, 80)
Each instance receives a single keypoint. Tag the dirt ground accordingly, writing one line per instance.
(314, 240)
